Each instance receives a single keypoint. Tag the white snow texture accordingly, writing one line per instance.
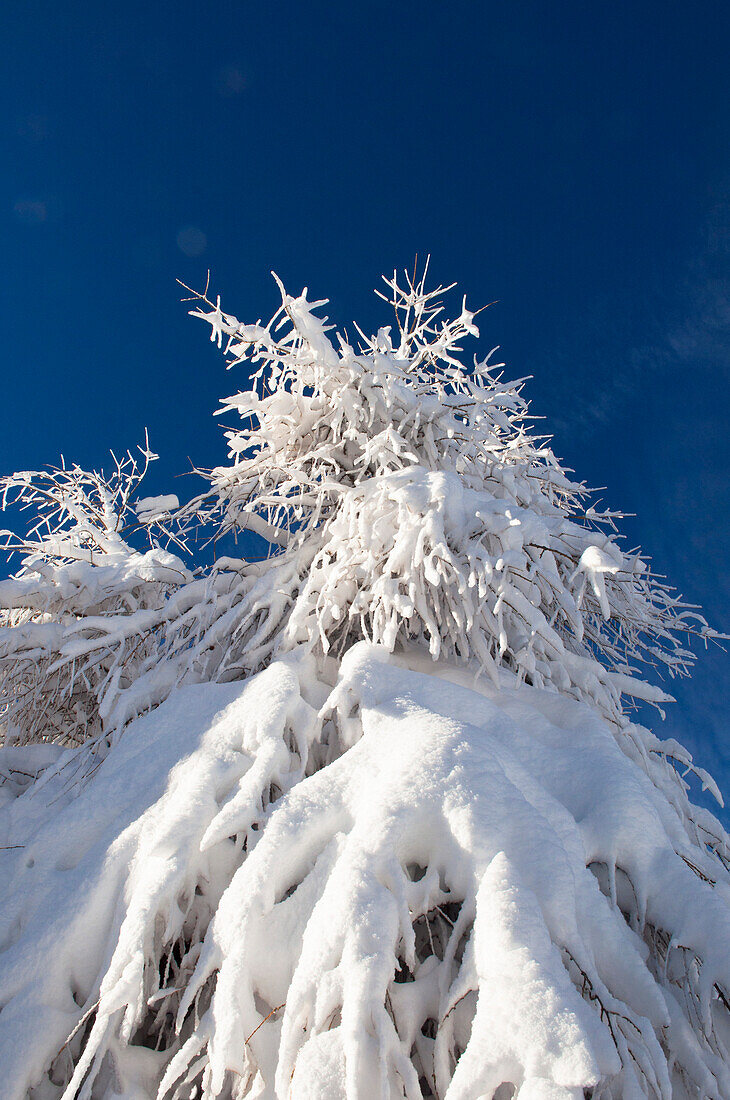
(367, 819)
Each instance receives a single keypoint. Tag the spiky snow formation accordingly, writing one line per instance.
(416, 847)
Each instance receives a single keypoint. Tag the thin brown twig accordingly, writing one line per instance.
(277, 1009)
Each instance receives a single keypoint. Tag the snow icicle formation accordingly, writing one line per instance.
(369, 817)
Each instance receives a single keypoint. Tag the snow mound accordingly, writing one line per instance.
(400, 885)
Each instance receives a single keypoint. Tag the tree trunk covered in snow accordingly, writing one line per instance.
(369, 817)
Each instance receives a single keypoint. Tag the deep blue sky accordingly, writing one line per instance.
(569, 159)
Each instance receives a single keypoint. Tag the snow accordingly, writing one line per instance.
(21, 767)
(595, 563)
(366, 818)
(451, 842)
(96, 862)
(404, 501)
(152, 508)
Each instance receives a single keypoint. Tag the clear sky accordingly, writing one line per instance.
(570, 159)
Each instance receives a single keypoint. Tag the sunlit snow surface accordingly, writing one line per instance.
(391, 870)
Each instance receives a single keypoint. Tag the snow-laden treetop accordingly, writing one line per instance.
(405, 483)
(405, 500)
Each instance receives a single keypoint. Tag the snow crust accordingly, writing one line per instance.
(483, 887)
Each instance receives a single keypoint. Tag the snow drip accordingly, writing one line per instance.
(406, 885)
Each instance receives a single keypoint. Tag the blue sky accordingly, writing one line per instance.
(571, 160)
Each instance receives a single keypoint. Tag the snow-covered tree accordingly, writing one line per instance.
(64, 653)
(368, 817)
